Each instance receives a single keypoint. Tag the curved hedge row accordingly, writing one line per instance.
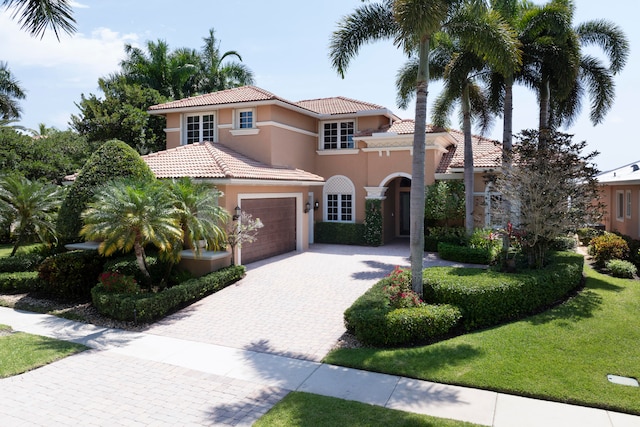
(374, 322)
(147, 307)
(488, 297)
(19, 282)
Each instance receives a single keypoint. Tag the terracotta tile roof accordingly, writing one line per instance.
(487, 153)
(229, 96)
(400, 127)
(337, 105)
(207, 160)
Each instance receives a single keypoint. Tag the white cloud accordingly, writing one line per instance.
(78, 5)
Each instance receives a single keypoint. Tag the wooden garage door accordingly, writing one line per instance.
(278, 235)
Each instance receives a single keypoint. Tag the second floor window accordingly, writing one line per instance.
(200, 128)
(338, 135)
(245, 119)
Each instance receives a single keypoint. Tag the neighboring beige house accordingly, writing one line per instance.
(293, 164)
(621, 197)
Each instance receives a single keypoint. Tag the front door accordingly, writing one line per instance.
(405, 223)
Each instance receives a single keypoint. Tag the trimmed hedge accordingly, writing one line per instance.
(488, 298)
(435, 235)
(451, 252)
(20, 262)
(374, 322)
(343, 233)
(144, 308)
(20, 282)
(71, 275)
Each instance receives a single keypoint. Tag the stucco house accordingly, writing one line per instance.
(293, 164)
(621, 197)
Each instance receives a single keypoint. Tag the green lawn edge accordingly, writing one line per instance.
(563, 354)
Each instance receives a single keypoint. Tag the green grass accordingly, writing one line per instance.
(303, 409)
(20, 352)
(5, 249)
(563, 354)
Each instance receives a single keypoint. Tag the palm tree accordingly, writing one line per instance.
(455, 61)
(36, 15)
(30, 207)
(200, 215)
(10, 92)
(215, 75)
(129, 215)
(43, 131)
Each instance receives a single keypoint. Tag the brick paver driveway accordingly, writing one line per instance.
(288, 305)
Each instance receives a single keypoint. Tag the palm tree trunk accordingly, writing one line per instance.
(468, 161)
(417, 196)
(142, 262)
(545, 96)
(507, 145)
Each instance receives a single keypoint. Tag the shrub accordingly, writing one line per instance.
(114, 159)
(343, 233)
(374, 322)
(620, 268)
(606, 247)
(399, 292)
(20, 262)
(373, 222)
(71, 275)
(20, 282)
(435, 235)
(467, 254)
(563, 243)
(128, 265)
(151, 306)
(585, 234)
(487, 297)
(117, 283)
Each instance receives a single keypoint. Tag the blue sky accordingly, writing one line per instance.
(285, 43)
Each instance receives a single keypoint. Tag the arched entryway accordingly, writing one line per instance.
(395, 206)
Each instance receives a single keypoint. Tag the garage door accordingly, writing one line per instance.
(278, 235)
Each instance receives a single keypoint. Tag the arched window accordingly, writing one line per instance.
(339, 197)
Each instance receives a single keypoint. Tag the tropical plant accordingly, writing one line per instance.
(10, 93)
(30, 207)
(214, 75)
(200, 215)
(36, 15)
(130, 214)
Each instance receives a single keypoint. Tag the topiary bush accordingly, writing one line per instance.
(452, 235)
(114, 159)
(373, 222)
(621, 268)
(69, 276)
(20, 262)
(467, 254)
(487, 297)
(143, 308)
(606, 247)
(343, 233)
(20, 282)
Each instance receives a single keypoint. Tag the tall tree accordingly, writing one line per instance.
(215, 74)
(36, 15)
(30, 207)
(10, 93)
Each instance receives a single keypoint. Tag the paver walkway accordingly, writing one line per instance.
(188, 370)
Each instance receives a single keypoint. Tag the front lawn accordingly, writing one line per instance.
(6, 248)
(20, 352)
(303, 409)
(563, 354)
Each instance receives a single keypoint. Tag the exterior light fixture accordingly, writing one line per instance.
(238, 212)
(316, 205)
(307, 207)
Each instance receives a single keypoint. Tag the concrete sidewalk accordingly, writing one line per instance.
(136, 379)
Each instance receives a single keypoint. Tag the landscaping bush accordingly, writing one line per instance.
(373, 222)
(128, 265)
(621, 268)
(20, 282)
(487, 297)
(147, 307)
(451, 252)
(563, 243)
(435, 235)
(117, 283)
(71, 275)
(585, 234)
(343, 233)
(20, 262)
(374, 322)
(606, 247)
(114, 159)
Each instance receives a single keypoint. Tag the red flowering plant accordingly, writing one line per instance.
(118, 283)
(399, 291)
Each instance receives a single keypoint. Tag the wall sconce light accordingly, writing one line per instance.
(316, 205)
(307, 207)
(238, 212)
